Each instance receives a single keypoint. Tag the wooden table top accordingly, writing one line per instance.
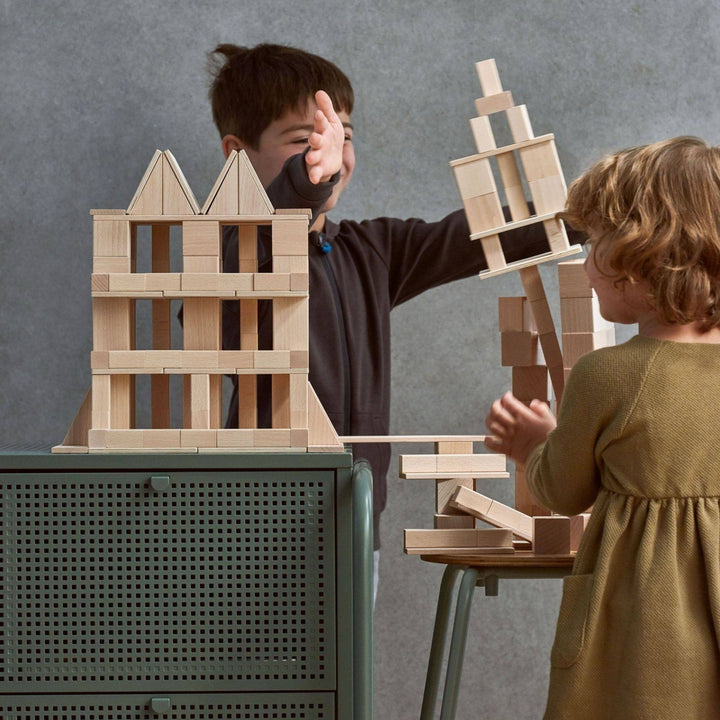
(522, 559)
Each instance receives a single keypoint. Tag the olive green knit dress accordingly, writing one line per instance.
(638, 435)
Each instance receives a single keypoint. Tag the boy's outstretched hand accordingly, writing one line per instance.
(516, 428)
(324, 158)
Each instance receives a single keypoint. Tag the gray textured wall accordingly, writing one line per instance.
(90, 89)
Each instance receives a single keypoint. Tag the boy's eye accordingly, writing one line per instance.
(300, 141)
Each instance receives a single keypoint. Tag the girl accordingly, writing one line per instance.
(637, 435)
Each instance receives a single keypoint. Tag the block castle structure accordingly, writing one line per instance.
(529, 340)
(163, 202)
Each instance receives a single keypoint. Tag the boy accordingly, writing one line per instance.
(265, 100)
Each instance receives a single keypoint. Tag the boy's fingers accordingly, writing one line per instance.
(498, 413)
(324, 103)
(515, 408)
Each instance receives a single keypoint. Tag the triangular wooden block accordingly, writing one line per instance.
(252, 198)
(223, 198)
(148, 198)
(178, 198)
(77, 435)
(322, 435)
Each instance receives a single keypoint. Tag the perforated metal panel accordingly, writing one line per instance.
(296, 706)
(222, 581)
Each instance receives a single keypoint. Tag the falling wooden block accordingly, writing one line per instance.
(492, 512)
(468, 538)
(449, 522)
(515, 315)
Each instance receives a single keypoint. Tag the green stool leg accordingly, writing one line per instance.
(457, 644)
(437, 649)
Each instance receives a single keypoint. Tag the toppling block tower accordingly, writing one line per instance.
(163, 200)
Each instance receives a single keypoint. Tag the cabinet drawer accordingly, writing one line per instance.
(180, 706)
(181, 581)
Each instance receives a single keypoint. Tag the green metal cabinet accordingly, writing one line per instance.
(185, 586)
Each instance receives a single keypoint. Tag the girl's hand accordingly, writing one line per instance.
(517, 429)
(324, 158)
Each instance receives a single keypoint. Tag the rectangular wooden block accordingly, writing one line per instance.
(482, 133)
(483, 462)
(519, 348)
(575, 345)
(417, 463)
(269, 438)
(235, 438)
(581, 315)
(290, 238)
(492, 512)
(201, 264)
(484, 212)
(111, 238)
(489, 78)
(556, 534)
(493, 252)
(198, 438)
(540, 161)
(514, 314)
(529, 383)
(573, 280)
(494, 103)
(161, 438)
(462, 537)
(540, 311)
(271, 282)
(444, 492)
(105, 265)
(474, 177)
(448, 522)
(548, 194)
(272, 359)
(201, 237)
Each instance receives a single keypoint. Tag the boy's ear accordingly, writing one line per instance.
(230, 143)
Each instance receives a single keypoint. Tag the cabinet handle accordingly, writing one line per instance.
(160, 705)
(160, 483)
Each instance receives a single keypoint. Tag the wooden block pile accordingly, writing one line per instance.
(583, 328)
(163, 199)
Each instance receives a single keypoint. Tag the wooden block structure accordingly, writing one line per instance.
(542, 174)
(454, 466)
(164, 200)
(583, 328)
(540, 167)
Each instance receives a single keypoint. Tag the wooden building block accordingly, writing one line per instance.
(519, 121)
(492, 512)
(556, 534)
(322, 434)
(113, 323)
(572, 279)
(106, 265)
(161, 438)
(575, 345)
(298, 401)
(249, 324)
(456, 538)
(291, 329)
(548, 194)
(252, 198)
(540, 161)
(269, 438)
(271, 359)
(271, 282)
(198, 438)
(511, 314)
(199, 402)
(448, 522)
(281, 401)
(580, 315)
(489, 78)
(557, 236)
(294, 264)
(247, 401)
(101, 402)
(519, 349)
(235, 438)
(530, 383)
(299, 437)
(542, 317)
(494, 103)
(453, 447)
(100, 282)
(111, 238)
(482, 133)
(223, 198)
(178, 198)
(514, 191)
(484, 212)
(290, 238)
(247, 249)
(148, 197)
(201, 237)
(474, 177)
(201, 324)
(493, 252)
(417, 463)
(480, 463)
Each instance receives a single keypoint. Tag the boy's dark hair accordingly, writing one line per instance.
(253, 87)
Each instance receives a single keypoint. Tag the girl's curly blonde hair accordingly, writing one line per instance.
(653, 212)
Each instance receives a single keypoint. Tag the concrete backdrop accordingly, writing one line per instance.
(90, 89)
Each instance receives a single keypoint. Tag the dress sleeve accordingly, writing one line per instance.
(563, 473)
